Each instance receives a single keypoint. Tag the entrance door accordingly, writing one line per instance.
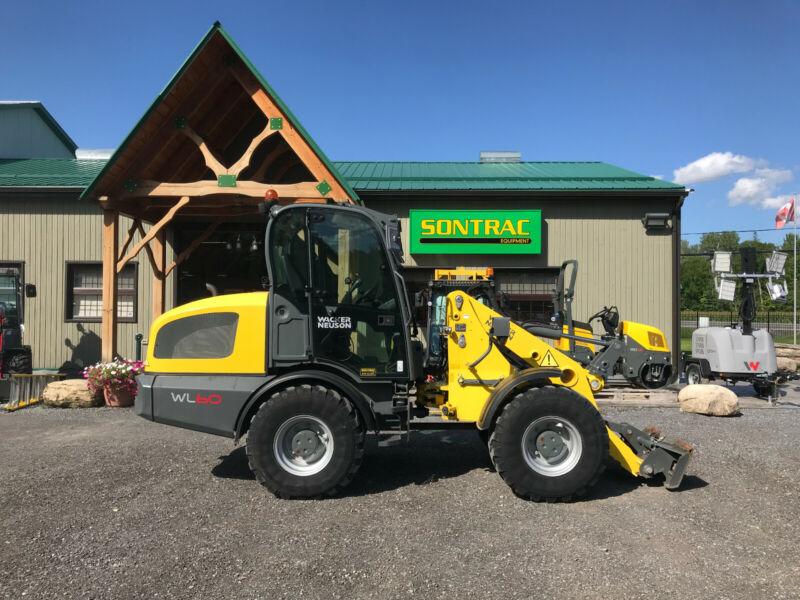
(355, 310)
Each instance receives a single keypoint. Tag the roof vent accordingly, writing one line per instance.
(501, 157)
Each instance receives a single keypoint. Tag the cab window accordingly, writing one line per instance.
(210, 335)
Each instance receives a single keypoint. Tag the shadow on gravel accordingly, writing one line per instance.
(616, 482)
(436, 455)
(233, 466)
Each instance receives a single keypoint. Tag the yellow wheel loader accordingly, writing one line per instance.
(330, 354)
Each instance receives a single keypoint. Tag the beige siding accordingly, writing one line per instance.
(44, 231)
(619, 262)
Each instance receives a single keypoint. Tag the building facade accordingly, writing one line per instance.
(521, 218)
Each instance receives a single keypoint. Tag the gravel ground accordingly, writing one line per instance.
(99, 503)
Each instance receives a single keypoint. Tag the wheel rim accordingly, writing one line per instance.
(303, 445)
(692, 376)
(552, 446)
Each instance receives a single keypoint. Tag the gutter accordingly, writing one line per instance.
(681, 193)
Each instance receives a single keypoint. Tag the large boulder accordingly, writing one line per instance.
(786, 365)
(788, 351)
(706, 399)
(70, 393)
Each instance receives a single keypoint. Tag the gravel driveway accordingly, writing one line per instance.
(99, 503)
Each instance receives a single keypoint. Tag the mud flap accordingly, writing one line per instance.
(658, 456)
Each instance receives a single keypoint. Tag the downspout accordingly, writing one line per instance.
(676, 286)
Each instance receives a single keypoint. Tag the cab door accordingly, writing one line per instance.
(356, 321)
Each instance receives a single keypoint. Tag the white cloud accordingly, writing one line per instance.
(759, 188)
(657, 176)
(776, 201)
(714, 166)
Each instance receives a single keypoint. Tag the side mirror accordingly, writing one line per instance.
(30, 290)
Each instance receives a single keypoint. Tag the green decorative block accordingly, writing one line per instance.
(226, 180)
(276, 123)
(130, 185)
(180, 122)
(323, 187)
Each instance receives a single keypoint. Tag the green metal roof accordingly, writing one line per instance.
(217, 28)
(48, 119)
(389, 176)
(475, 176)
(48, 172)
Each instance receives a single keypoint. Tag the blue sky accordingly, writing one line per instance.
(650, 86)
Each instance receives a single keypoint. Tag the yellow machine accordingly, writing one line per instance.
(330, 354)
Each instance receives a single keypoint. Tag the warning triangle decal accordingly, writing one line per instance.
(548, 360)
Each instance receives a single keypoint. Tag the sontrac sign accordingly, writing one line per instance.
(476, 231)
(211, 399)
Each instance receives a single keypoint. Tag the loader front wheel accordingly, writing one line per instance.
(549, 444)
(306, 441)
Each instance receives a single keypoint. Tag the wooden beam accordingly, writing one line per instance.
(159, 276)
(108, 329)
(289, 133)
(251, 189)
(211, 161)
(194, 245)
(153, 231)
(244, 161)
(179, 166)
(128, 238)
(157, 270)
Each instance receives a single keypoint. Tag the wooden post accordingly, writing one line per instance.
(110, 251)
(159, 276)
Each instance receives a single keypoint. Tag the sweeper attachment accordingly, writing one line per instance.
(331, 354)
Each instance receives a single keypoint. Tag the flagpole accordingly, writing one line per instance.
(794, 277)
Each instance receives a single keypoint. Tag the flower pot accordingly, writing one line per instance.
(117, 396)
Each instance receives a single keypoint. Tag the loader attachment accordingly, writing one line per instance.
(647, 453)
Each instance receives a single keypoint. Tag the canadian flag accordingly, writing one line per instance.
(785, 214)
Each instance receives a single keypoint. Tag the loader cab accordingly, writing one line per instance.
(336, 296)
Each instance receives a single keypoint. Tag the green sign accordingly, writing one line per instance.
(476, 231)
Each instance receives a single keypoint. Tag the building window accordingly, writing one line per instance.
(528, 294)
(85, 292)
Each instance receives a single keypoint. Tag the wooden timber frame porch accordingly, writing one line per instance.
(215, 145)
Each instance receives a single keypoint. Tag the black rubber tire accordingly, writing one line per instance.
(643, 383)
(505, 444)
(20, 363)
(693, 371)
(325, 404)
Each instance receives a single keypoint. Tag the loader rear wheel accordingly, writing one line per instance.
(549, 444)
(304, 442)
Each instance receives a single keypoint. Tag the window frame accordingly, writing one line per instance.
(69, 293)
(21, 265)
